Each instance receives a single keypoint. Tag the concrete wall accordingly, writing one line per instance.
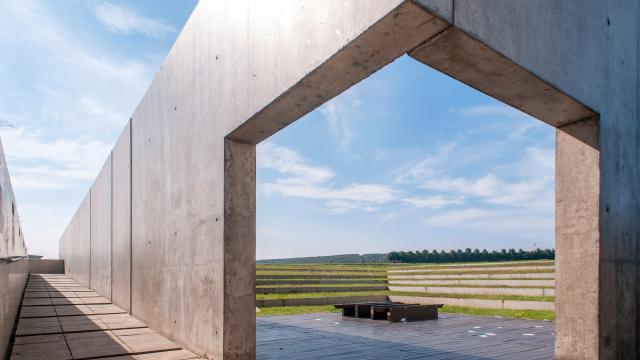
(240, 71)
(100, 229)
(46, 266)
(13, 276)
(121, 220)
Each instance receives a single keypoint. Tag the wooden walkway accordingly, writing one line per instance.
(329, 336)
(60, 319)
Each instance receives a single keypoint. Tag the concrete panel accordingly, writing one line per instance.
(46, 266)
(81, 242)
(590, 52)
(178, 130)
(121, 220)
(13, 276)
(101, 232)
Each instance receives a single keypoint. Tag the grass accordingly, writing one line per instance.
(516, 314)
(296, 310)
(462, 271)
(403, 293)
(474, 296)
(477, 286)
(319, 294)
(465, 279)
(316, 285)
(480, 264)
(373, 274)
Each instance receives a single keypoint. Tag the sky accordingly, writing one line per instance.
(408, 159)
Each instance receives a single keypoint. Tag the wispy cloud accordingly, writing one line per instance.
(299, 178)
(125, 20)
(37, 163)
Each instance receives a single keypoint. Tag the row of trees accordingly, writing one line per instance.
(468, 255)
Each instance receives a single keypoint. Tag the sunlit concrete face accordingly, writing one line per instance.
(240, 71)
(13, 274)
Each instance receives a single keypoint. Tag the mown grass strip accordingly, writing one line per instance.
(471, 264)
(477, 286)
(465, 279)
(404, 293)
(316, 285)
(296, 310)
(460, 272)
(324, 273)
(319, 294)
(474, 296)
(516, 314)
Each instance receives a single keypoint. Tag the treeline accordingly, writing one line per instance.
(469, 255)
(332, 259)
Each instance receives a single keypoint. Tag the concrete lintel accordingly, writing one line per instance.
(395, 34)
(470, 61)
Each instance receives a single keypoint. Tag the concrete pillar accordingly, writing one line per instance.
(577, 240)
(239, 337)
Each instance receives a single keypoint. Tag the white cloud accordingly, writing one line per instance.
(125, 20)
(304, 180)
(433, 202)
(40, 164)
(457, 217)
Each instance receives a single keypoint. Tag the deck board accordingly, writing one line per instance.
(453, 336)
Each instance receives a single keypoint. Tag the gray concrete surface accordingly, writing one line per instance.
(100, 229)
(243, 70)
(121, 220)
(46, 266)
(13, 276)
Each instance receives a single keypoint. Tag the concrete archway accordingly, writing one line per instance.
(181, 234)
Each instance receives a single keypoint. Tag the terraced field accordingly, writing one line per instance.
(524, 288)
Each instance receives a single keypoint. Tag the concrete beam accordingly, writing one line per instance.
(472, 62)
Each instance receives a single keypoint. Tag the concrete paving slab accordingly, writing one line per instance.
(168, 355)
(72, 324)
(121, 321)
(37, 311)
(145, 340)
(70, 310)
(40, 347)
(37, 302)
(67, 301)
(38, 326)
(95, 344)
(34, 295)
(105, 309)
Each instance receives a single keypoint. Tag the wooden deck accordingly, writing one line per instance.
(330, 336)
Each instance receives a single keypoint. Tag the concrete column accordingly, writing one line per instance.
(239, 337)
(577, 241)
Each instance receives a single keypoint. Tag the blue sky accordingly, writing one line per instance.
(406, 159)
